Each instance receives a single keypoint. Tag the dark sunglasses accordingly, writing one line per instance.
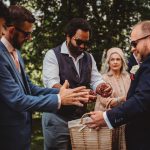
(26, 34)
(134, 43)
(80, 42)
(4, 26)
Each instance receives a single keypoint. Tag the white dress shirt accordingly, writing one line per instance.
(51, 68)
(107, 120)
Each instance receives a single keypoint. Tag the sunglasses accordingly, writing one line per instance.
(80, 42)
(134, 43)
(26, 34)
(4, 26)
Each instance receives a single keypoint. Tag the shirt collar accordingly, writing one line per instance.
(7, 44)
(64, 50)
(136, 59)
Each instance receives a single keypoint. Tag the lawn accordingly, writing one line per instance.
(37, 137)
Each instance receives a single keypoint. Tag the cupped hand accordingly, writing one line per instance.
(104, 89)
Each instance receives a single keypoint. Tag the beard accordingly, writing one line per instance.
(142, 54)
(75, 50)
(15, 41)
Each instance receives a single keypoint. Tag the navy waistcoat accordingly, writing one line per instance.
(67, 71)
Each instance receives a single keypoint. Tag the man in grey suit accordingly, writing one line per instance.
(18, 96)
(135, 112)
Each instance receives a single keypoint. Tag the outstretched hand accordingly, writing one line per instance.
(77, 96)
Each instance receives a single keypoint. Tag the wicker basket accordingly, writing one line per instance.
(83, 138)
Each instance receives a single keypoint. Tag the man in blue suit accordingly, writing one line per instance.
(18, 96)
(135, 112)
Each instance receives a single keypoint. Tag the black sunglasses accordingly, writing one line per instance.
(4, 26)
(26, 34)
(80, 42)
(134, 43)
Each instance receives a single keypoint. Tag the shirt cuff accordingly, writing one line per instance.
(107, 120)
(59, 101)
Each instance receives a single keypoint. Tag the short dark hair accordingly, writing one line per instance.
(75, 24)
(4, 12)
(18, 15)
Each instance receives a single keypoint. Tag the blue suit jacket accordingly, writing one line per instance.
(18, 98)
(136, 110)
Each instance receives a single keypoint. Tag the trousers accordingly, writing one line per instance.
(55, 132)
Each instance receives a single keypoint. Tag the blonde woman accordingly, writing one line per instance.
(115, 73)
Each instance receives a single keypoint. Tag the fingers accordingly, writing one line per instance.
(104, 89)
(66, 84)
(93, 126)
(80, 94)
(106, 94)
(84, 96)
(97, 128)
(108, 88)
(85, 90)
(92, 98)
(78, 103)
(80, 99)
(92, 113)
(79, 89)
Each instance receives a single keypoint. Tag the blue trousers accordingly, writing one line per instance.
(55, 132)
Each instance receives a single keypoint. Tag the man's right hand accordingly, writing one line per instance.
(77, 96)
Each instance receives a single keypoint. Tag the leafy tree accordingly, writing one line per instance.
(111, 21)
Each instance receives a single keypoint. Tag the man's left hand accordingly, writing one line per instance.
(97, 120)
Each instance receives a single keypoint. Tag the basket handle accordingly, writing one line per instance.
(108, 104)
(83, 116)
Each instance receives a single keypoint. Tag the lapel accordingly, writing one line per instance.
(24, 77)
(12, 65)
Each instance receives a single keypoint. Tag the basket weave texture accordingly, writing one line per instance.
(90, 139)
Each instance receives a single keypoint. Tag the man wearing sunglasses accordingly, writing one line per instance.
(135, 112)
(70, 61)
(4, 14)
(18, 96)
(134, 58)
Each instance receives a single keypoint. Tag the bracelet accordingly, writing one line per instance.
(117, 100)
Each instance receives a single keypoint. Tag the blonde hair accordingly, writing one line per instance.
(105, 66)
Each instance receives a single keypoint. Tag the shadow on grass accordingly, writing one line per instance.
(37, 137)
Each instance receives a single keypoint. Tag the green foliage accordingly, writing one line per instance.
(111, 21)
(37, 138)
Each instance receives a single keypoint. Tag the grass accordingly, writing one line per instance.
(37, 137)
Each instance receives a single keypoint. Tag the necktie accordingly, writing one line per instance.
(15, 58)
